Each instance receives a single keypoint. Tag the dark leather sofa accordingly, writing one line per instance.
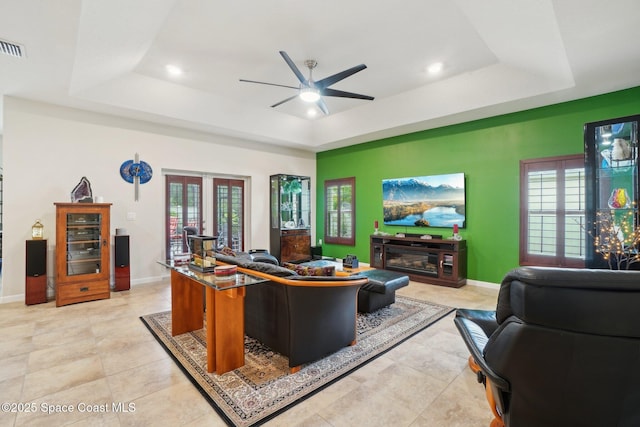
(302, 317)
(561, 349)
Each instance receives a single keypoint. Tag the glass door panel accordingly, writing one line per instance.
(84, 243)
(183, 209)
(448, 265)
(228, 200)
(612, 158)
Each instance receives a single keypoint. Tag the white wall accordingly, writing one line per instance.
(47, 150)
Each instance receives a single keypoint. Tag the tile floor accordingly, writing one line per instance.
(96, 364)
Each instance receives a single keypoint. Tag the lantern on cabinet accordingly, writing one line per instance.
(37, 230)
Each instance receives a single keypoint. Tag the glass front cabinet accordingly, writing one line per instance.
(82, 252)
(290, 226)
(611, 148)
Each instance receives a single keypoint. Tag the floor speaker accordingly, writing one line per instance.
(36, 272)
(121, 266)
(316, 252)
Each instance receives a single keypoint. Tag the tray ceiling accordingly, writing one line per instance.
(498, 57)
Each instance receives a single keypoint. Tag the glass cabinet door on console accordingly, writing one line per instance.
(82, 252)
(376, 258)
(611, 148)
(449, 268)
(447, 265)
(290, 198)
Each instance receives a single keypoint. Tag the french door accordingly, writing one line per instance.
(183, 208)
(228, 209)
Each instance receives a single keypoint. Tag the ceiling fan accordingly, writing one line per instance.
(313, 91)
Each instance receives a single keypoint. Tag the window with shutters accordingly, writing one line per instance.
(552, 212)
(339, 211)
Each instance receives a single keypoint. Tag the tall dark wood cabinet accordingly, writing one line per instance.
(611, 178)
(36, 272)
(83, 245)
(290, 235)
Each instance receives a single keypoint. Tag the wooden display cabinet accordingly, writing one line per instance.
(295, 245)
(612, 194)
(82, 252)
(290, 217)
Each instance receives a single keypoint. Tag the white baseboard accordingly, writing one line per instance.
(12, 298)
(482, 284)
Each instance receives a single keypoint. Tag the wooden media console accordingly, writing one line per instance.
(437, 261)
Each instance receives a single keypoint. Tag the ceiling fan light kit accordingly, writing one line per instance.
(309, 94)
(310, 91)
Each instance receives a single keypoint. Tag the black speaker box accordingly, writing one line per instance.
(35, 287)
(121, 263)
(316, 252)
(36, 259)
(121, 251)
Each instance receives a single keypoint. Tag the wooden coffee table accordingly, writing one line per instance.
(352, 271)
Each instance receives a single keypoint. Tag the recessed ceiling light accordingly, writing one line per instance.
(435, 68)
(311, 112)
(173, 70)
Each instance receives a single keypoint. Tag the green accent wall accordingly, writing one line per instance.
(488, 152)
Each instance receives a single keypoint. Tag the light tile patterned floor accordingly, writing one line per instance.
(96, 364)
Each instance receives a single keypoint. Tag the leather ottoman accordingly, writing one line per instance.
(381, 289)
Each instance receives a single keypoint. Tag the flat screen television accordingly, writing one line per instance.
(425, 201)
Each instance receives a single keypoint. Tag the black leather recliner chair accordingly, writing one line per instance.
(561, 349)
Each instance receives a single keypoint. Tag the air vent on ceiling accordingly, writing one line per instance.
(11, 49)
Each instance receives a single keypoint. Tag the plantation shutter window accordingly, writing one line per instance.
(552, 212)
(339, 209)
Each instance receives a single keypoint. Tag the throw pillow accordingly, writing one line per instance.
(303, 270)
(227, 251)
(268, 268)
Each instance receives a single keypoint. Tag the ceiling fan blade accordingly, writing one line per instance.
(343, 94)
(293, 67)
(285, 100)
(322, 106)
(328, 81)
(265, 83)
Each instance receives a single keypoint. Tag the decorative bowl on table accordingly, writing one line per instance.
(223, 271)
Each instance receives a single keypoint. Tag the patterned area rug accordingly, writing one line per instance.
(263, 388)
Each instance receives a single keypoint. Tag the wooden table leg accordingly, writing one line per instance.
(225, 320)
(229, 329)
(211, 329)
(186, 304)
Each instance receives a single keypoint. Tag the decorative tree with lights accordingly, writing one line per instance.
(617, 238)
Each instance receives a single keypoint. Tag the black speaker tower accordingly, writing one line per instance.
(35, 272)
(121, 267)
